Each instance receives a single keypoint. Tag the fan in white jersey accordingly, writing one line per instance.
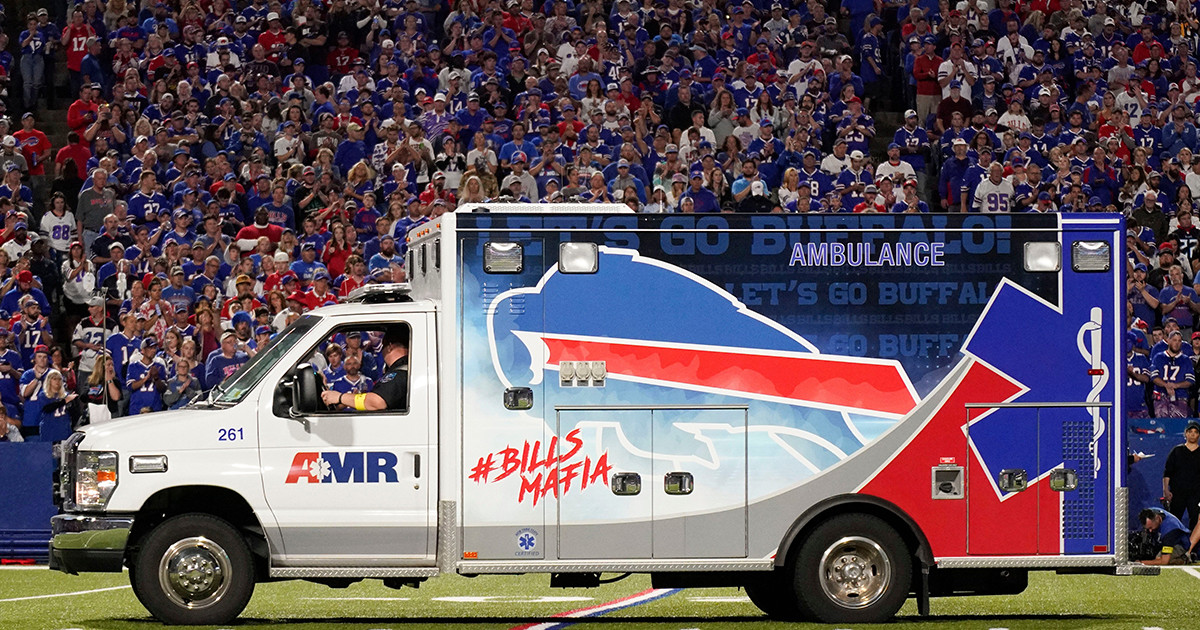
(58, 225)
(995, 192)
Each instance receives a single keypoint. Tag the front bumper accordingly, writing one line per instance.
(82, 544)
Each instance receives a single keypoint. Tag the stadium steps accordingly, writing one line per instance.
(886, 124)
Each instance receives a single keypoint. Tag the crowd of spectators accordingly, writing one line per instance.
(231, 164)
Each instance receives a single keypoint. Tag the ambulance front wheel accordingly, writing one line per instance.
(194, 569)
(853, 568)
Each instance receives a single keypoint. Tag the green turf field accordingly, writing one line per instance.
(1051, 602)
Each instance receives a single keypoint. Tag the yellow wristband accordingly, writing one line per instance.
(360, 402)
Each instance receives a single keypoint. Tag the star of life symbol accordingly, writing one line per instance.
(526, 541)
(319, 468)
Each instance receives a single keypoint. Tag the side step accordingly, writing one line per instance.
(352, 572)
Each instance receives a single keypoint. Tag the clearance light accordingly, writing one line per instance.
(1045, 256)
(1091, 256)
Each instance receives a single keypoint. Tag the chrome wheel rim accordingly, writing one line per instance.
(855, 572)
(194, 572)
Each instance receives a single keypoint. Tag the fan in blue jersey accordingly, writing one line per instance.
(10, 375)
(224, 361)
(1137, 375)
(121, 345)
(31, 330)
(146, 379)
(352, 379)
(1173, 376)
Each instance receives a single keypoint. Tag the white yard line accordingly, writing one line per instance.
(95, 590)
(1192, 572)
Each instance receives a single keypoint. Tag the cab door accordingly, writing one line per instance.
(356, 488)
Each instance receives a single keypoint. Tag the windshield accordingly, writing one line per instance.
(234, 388)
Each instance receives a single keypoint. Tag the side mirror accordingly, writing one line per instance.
(306, 393)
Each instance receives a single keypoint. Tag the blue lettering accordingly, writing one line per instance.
(382, 464)
(346, 468)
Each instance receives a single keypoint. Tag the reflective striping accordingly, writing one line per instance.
(95, 590)
(595, 611)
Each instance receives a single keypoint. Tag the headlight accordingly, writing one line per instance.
(95, 479)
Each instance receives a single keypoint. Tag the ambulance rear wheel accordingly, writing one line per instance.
(194, 569)
(853, 568)
(773, 594)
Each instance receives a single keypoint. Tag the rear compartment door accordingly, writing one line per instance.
(1058, 467)
(677, 483)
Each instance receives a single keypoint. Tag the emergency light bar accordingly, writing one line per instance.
(381, 293)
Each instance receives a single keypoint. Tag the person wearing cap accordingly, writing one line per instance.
(853, 181)
(224, 361)
(32, 327)
(145, 379)
(319, 294)
(178, 293)
(1142, 295)
(520, 173)
(25, 286)
(894, 167)
(306, 267)
(951, 182)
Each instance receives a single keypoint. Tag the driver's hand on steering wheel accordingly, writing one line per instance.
(330, 397)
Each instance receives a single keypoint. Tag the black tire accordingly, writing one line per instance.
(211, 564)
(774, 595)
(852, 568)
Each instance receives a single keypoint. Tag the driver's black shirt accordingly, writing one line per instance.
(393, 385)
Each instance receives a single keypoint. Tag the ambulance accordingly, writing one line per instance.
(834, 412)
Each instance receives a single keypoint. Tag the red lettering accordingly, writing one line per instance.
(510, 463)
(525, 457)
(479, 474)
(601, 470)
(567, 474)
(551, 483)
(532, 487)
(551, 453)
(576, 444)
(299, 468)
(534, 463)
(587, 465)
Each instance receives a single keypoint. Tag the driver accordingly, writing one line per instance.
(391, 390)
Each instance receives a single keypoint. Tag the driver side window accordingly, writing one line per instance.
(354, 360)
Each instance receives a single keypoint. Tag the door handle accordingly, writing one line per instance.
(417, 465)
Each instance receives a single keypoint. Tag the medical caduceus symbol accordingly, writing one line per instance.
(1089, 341)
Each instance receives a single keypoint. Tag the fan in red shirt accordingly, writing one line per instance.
(437, 190)
(342, 56)
(35, 146)
(75, 150)
(319, 294)
(355, 276)
(247, 237)
(273, 40)
(75, 38)
(84, 111)
(871, 202)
